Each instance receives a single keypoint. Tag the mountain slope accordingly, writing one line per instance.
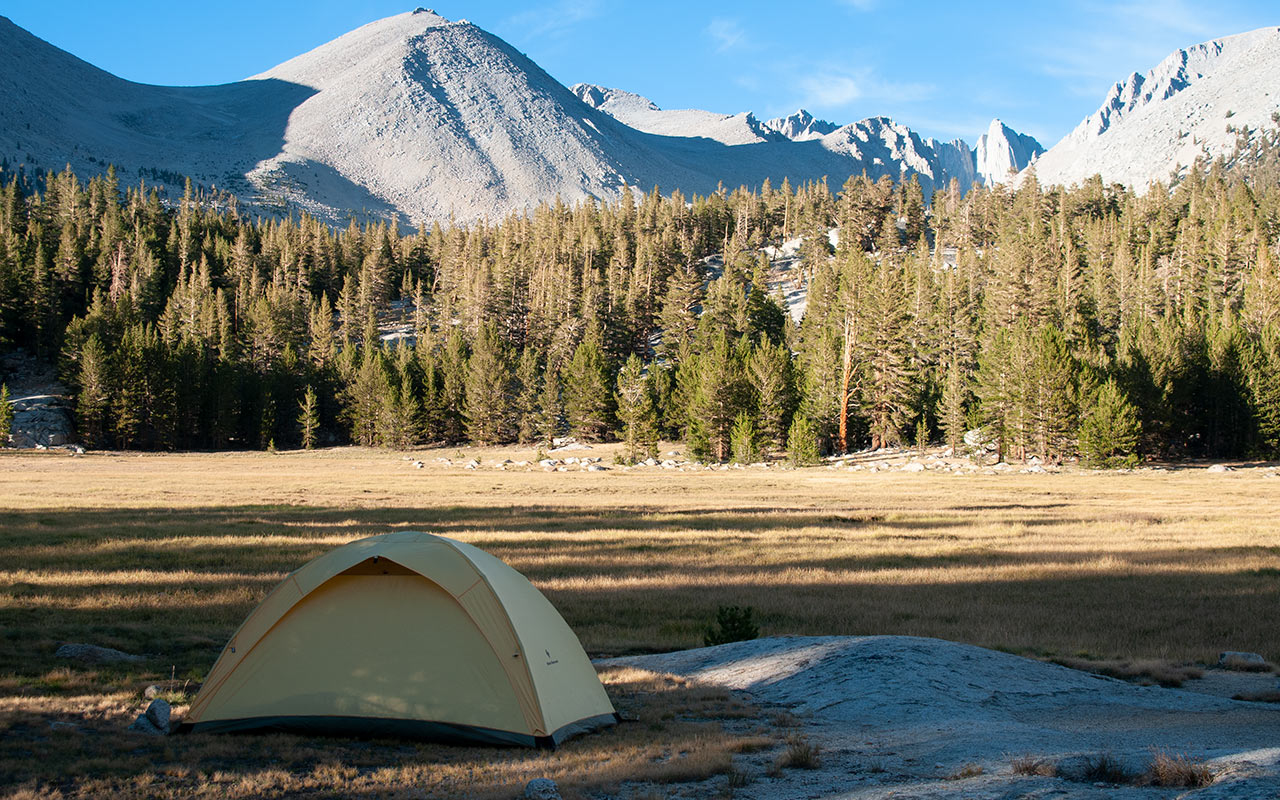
(420, 118)
(1152, 124)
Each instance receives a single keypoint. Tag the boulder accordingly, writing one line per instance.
(93, 654)
(597, 468)
(914, 466)
(154, 721)
(158, 713)
(541, 789)
(1219, 468)
(1236, 659)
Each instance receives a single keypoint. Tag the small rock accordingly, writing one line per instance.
(472, 464)
(59, 725)
(1219, 468)
(914, 466)
(93, 654)
(548, 462)
(596, 468)
(541, 789)
(144, 726)
(153, 691)
(418, 465)
(158, 714)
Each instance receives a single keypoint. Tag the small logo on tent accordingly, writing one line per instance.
(551, 660)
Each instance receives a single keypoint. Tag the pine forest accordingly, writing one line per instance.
(1093, 322)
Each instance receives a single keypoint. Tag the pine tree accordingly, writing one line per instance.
(744, 442)
(1051, 395)
(588, 396)
(453, 388)
(93, 401)
(636, 412)
(366, 391)
(718, 392)
(6, 415)
(885, 351)
(309, 418)
(802, 443)
(551, 413)
(490, 391)
(1110, 430)
(772, 379)
(528, 393)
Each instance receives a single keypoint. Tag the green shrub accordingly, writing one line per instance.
(733, 624)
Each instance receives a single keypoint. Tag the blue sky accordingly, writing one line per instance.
(944, 68)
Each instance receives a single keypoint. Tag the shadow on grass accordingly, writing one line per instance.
(675, 735)
(655, 590)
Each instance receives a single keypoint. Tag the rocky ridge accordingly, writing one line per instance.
(1152, 126)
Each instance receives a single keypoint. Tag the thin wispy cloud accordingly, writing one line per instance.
(555, 19)
(727, 34)
(829, 91)
(835, 88)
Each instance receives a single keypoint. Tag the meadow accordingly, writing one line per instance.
(164, 555)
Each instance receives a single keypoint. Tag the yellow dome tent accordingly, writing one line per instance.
(405, 634)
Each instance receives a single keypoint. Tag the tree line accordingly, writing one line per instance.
(1090, 321)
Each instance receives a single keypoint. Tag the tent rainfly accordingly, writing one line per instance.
(405, 634)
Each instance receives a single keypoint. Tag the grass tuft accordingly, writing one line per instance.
(967, 771)
(1167, 769)
(1106, 768)
(799, 754)
(1033, 765)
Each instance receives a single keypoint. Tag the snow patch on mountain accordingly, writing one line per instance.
(1153, 125)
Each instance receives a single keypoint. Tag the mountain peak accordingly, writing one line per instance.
(1002, 152)
(801, 126)
(1155, 123)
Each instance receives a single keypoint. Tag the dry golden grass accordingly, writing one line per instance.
(166, 554)
(1146, 672)
(1172, 769)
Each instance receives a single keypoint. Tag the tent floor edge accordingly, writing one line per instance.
(367, 728)
(582, 726)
